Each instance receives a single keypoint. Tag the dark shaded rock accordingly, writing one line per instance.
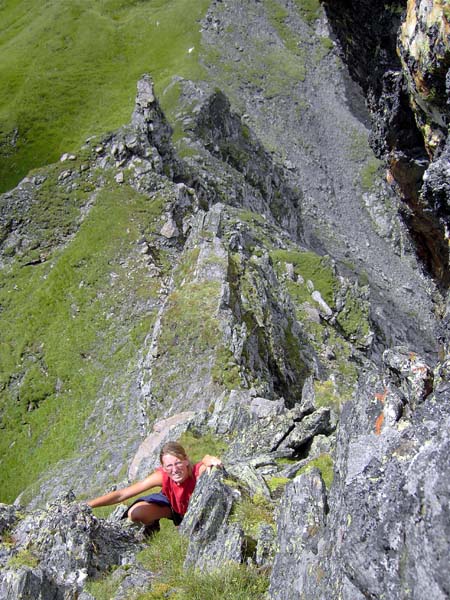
(424, 49)
(402, 71)
(32, 584)
(436, 186)
(8, 517)
(225, 136)
(367, 33)
(319, 422)
(212, 540)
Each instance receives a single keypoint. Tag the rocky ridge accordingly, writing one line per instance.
(331, 397)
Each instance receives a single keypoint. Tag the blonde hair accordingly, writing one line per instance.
(173, 448)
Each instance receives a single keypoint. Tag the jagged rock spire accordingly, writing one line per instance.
(149, 119)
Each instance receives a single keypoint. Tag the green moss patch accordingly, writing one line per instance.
(187, 267)
(309, 9)
(293, 53)
(226, 371)
(104, 588)
(326, 395)
(370, 173)
(354, 318)
(324, 463)
(308, 266)
(276, 483)
(250, 513)
(24, 558)
(189, 328)
(189, 319)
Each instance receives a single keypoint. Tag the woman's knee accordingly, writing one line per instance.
(146, 512)
(137, 511)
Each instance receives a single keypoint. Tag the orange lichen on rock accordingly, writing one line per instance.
(379, 424)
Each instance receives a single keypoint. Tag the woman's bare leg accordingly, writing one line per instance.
(148, 512)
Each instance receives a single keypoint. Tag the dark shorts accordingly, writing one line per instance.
(160, 499)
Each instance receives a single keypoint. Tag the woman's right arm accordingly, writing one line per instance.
(153, 480)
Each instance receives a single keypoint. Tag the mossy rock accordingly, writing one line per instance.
(325, 464)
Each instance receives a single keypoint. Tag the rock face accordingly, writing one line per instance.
(264, 277)
(55, 550)
(406, 501)
(212, 540)
(400, 56)
(301, 518)
(391, 489)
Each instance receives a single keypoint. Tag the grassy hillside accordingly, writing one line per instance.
(69, 326)
(68, 69)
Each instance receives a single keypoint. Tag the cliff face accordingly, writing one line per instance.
(399, 54)
(262, 277)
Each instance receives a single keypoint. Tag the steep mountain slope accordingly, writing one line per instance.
(317, 125)
(252, 274)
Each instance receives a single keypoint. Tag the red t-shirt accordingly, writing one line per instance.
(179, 494)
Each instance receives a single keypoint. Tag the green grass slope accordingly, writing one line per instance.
(68, 70)
(68, 326)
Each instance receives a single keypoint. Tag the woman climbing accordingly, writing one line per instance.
(177, 478)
